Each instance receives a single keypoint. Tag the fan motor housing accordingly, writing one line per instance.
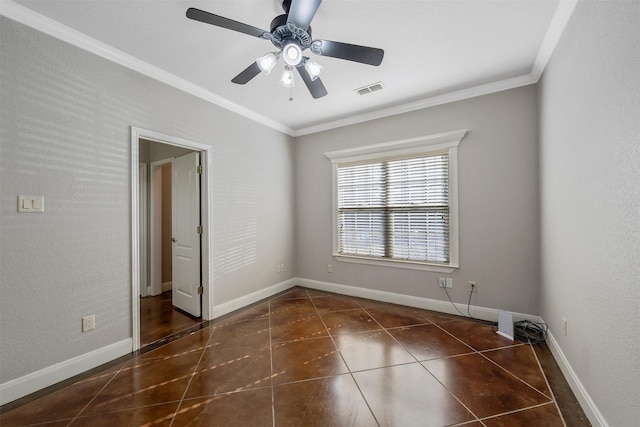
(282, 33)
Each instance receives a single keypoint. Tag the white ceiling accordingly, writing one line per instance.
(434, 50)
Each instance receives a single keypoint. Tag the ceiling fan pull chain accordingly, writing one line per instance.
(291, 93)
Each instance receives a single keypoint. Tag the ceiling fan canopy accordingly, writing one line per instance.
(290, 33)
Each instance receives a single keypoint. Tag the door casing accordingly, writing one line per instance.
(155, 255)
(207, 235)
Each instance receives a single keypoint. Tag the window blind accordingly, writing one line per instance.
(395, 208)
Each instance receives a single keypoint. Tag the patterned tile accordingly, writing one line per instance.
(332, 401)
(407, 395)
(369, 350)
(309, 357)
(349, 321)
(426, 342)
(483, 387)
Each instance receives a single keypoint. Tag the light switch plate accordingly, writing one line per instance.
(31, 204)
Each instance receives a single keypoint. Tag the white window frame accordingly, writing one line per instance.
(423, 145)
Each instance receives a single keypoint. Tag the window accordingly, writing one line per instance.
(396, 203)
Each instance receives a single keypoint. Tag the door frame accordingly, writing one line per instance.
(155, 261)
(143, 185)
(207, 236)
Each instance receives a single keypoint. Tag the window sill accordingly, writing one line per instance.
(411, 265)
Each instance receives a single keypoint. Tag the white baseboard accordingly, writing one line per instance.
(30, 383)
(587, 404)
(483, 313)
(243, 301)
(590, 409)
(46, 377)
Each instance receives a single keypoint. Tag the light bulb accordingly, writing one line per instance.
(267, 62)
(292, 54)
(286, 79)
(313, 68)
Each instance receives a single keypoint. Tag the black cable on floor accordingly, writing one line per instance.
(469, 316)
(531, 332)
(524, 330)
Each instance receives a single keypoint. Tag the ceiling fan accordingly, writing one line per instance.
(290, 33)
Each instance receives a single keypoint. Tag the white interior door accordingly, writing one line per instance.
(185, 221)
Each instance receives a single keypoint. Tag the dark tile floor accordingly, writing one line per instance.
(312, 358)
(159, 319)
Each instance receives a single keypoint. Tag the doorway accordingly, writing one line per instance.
(175, 186)
(164, 308)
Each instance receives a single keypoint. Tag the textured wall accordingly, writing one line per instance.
(590, 198)
(498, 201)
(65, 126)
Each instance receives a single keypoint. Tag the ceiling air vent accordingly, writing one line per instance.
(374, 87)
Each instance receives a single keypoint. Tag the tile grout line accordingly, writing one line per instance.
(481, 353)
(424, 367)
(113, 377)
(96, 395)
(273, 393)
(515, 411)
(473, 351)
(193, 374)
(553, 396)
(455, 337)
(415, 358)
(345, 362)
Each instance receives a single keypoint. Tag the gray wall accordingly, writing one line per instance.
(65, 126)
(564, 213)
(498, 201)
(590, 199)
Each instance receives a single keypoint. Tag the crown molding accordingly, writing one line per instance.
(53, 28)
(433, 101)
(559, 22)
(25, 16)
(560, 19)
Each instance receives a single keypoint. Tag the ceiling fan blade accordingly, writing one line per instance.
(350, 52)
(247, 74)
(301, 12)
(220, 21)
(316, 87)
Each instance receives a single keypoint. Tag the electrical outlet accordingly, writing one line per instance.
(445, 282)
(281, 267)
(473, 286)
(564, 326)
(88, 323)
(278, 270)
(329, 268)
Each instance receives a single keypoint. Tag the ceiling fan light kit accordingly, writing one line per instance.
(267, 62)
(292, 54)
(286, 79)
(313, 68)
(291, 35)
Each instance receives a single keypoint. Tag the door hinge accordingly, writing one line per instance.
(199, 169)
(199, 229)
(200, 290)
